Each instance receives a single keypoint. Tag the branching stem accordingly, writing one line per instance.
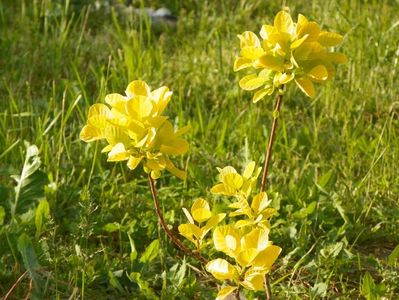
(168, 232)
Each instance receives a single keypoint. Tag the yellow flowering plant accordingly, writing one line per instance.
(287, 52)
(135, 129)
(137, 132)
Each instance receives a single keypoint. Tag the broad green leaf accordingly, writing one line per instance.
(394, 256)
(2, 215)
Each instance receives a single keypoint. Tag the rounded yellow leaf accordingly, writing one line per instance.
(89, 133)
(283, 22)
(253, 280)
(252, 82)
(118, 153)
(133, 162)
(221, 269)
(306, 86)
(241, 63)
(319, 73)
(271, 62)
(259, 95)
(251, 53)
(329, 39)
(267, 257)
(248, 39)
(249, 170)
(200, 210)
(227, 239)
(137, 88)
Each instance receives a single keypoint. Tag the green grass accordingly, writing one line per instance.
(338, 151)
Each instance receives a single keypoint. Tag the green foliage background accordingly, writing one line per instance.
(87, 228)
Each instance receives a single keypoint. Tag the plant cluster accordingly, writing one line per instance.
(136, 131)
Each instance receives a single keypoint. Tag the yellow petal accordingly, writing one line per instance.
(241, 63)
(221, 269)
(118, 153)
(329, 39)
(319, 73)
(306, 86)
(89, 133)
(225, 291)
(252, 82)
(283, 22)
(271, 62)
(133, 162)
(137, 88)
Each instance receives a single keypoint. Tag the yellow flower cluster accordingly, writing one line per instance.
(288, 52)
(135, 129)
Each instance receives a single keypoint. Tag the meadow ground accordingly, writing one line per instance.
(334, 176)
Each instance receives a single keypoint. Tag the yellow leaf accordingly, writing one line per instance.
(283, 22)
(175, 171)
(337, 57)
(251, 53)
(178, 146)
(246, 256)
(306, 86)
(227, 239)
(137, 88)
(133, 162)
(212, 222)
(257, 238)
(200, 210)
(249, 170)
(271, 62)
(259, 95)
(221, 269)
(285, 78)
(89, 133)
(118, 153)
(260, 202)
(311, 29)
(161, 98)
(225, 291)
(329, 39)
(299, 42)
(252, 82)
(253, 280)
(116, 101)
(319, 73)
(188, 215)
(241, 63)
(218, 189)
(248, 39)
(267, 257)
(266, 30)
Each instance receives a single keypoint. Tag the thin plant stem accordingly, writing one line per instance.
(268, 156)
(15, 285)
(237, 294)
(269, 147)
(168, 232)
